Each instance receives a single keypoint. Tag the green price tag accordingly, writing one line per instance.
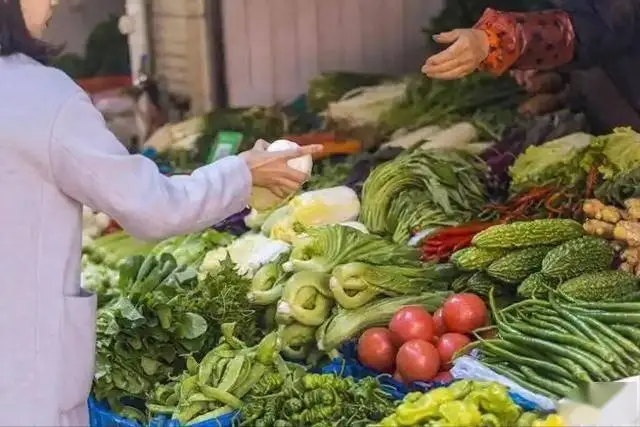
(227, 144)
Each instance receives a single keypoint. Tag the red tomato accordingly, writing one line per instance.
(398, 377)
(438, 323)
(411, 323)
(443, 377)
(450, 343)
(376, 350)
(464, 312)
(417, 360)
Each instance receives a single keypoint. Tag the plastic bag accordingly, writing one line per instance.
(469, 368)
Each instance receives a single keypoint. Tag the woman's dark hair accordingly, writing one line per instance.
(15, 37)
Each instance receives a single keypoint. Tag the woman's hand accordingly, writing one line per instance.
(270, 170)
(469, 47)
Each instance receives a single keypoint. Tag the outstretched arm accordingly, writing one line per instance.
(579, 32)
(91, 166)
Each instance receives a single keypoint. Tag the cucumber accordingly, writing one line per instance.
(517, 265)
(472, 259)
(536, 285)
(575, 257)
(528, 233)
(600, 286)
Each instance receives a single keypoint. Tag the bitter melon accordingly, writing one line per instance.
(472, 259)
(576, 257)
(528, 233)
(480, 284)
(517, 265)
(600, 286)
(537, 285)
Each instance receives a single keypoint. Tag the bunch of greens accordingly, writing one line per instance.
(268, 123)
(447, 185)
(330, 173)
(566, 162)
(623, 187)
(481, 99)
(330, 87)
(191, 249)
(163, 311)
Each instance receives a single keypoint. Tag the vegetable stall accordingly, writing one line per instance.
(309, 309)
(448, 263)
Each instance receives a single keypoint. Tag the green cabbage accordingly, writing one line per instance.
(620, 152)
(558, 162)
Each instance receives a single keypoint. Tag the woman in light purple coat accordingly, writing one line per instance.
(55, 155)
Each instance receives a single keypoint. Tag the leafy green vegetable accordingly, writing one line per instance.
(624, 186)
(620, 151)
(557, 162)
(445, 184)
(391, 280)
(482, 99)
(330, 87)
(140, 339)
(324, 248)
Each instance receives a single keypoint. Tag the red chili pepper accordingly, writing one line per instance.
(433, 242)
(465, 229)
(463, 244)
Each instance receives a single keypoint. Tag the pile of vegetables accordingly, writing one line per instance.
(338, 281)
(419, 346)
(480, 99)
(315, 400)
(534, 257)
(552, 346)
(161, 312)
(215, 386)
(421, 190)
(465, 403)
(111, 249)
(620, 225)
(567, 162)
(214, 324)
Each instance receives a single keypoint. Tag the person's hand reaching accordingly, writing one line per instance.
(469, 47)
(270, 170)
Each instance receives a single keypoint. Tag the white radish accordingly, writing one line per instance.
(261, 198)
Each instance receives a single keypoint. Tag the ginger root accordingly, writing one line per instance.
(591, 207)
(628, 232)
(595, 209)
(633, 208)
(631, 256)
(596, 227)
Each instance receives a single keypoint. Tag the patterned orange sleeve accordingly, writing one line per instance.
(533, 40)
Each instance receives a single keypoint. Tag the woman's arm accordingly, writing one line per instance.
(91, 166)
(580, 32)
